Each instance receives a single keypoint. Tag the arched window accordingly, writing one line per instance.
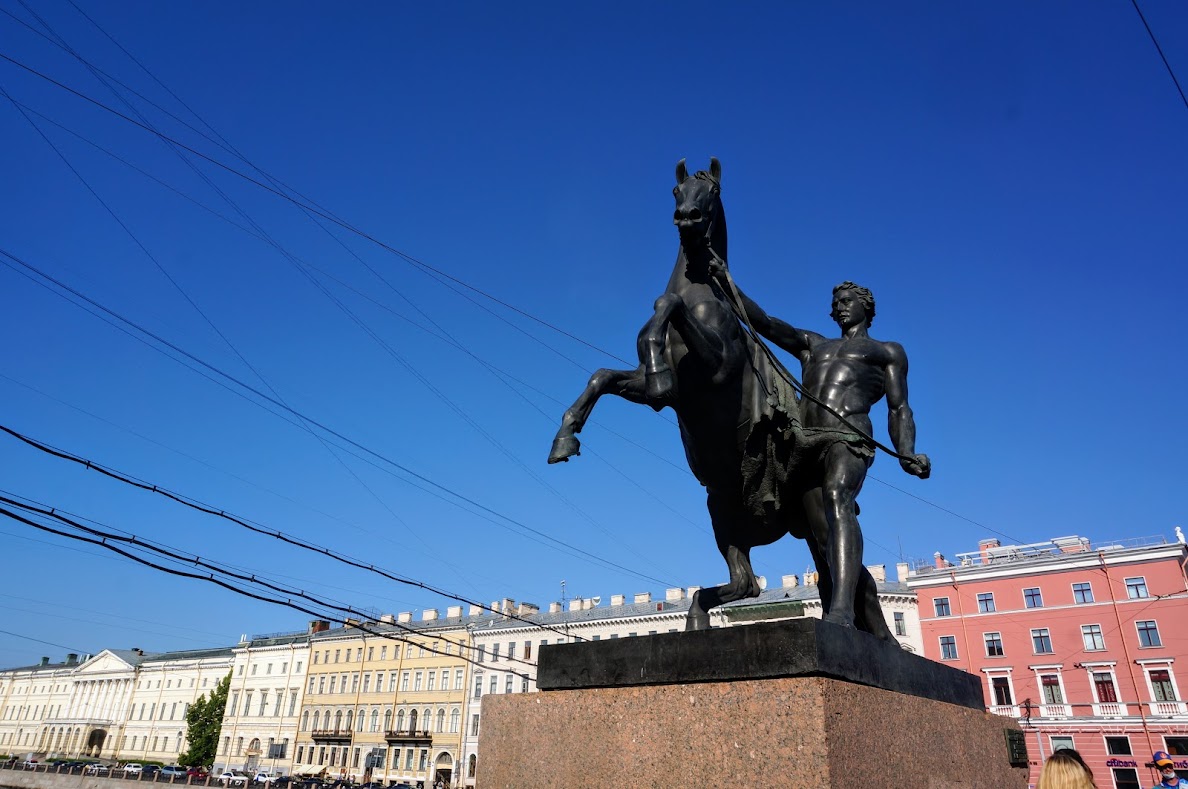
(361, 720)
(427, 719)
(254, 745)
(375, 720)
(412, 721)
(305, 721)
(316, 718)
(400, 720)
(387, 720)
(350, 717)
(470, 765)
(454, 717)
(440, 727)
(337, 720)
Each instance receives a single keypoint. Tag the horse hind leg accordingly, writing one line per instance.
(742, 584)
(628, 384)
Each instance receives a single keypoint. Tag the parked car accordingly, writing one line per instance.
(234, 778)
(173, 771)
(150, 770)
(133, 768)
(95, 768)
(30, 764)
(266, 778)
(197, 774)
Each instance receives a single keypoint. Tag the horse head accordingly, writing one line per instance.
(699, 216)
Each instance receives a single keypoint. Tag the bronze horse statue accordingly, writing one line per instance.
(739, 419)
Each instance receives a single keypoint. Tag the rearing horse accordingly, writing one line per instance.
(738, 421)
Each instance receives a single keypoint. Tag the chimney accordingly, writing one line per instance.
(554, 608)
(404, 617)
(576, 604)
(527, 609)
(643, 597)
(387, 619)
(45, 661)
(789, 581)
(878, 572)
(985, 545)
(429, 614)
(507, 606)
(318, 626)
(71, 658)
(762, 580)
(810, 577)
(901, 572)
(674, 594)
(617, 599)
(476, 609)
(938, 559)
(454, 612)
(692, 590)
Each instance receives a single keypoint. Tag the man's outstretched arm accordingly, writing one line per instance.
(794, 341)
(901, 423)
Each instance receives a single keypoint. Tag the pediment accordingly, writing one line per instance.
(105, 663)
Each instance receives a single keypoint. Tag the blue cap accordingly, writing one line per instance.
(1160, 758)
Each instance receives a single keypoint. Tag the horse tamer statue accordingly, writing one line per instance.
(771, 463)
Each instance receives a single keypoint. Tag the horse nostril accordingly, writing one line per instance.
(695, 215)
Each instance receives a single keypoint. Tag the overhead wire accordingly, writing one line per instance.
(104, 541)
(1162, 56)
(257, 528)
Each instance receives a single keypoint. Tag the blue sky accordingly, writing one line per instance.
(1007, 179)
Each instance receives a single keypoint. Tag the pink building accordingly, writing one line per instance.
(1087, 645)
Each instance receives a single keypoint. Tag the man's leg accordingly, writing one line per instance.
(844, 474)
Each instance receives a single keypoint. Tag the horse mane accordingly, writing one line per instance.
(717, 236)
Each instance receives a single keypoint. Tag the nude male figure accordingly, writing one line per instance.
(849, 374)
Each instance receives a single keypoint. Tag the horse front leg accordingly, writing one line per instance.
(659, 378)
(628, 384)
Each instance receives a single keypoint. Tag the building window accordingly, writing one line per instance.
(1051, 687)
(507, 686)
(458, 679)
(900, 624)
(404, 680)
(417, 681)
(940, 605)
(1126, 778)
(1118, 746)
(1061, 743)
(524, 684)
(948, 646)
(1082, 593)
(494, 684)
(1091, 635)
(1103, 684)
(993, 644)
(1136, 588)
(1001, 687)
(1041, 641)
(1032, 598)
(1148, 633)
(455, 719)
(986, 602)
(300, 753)
(432, 683)
(527, 650)
(474, 725)
(424, 759)
(1161, 685)
(478, 687)
(494, 653)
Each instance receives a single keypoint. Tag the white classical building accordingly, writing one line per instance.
(119, 704)
(264, 703)
(506, 647)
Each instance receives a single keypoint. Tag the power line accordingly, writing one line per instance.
(39, 641)
(207, 509)
(111, 541)
(1159, 49)
(367, 450)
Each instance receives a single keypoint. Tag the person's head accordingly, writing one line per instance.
(1065, 769)
(850, 299)
(1165, 765)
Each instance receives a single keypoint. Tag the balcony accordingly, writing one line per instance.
(1010, 710)
(408, 736)
(336, 736)
(1055, 711)
(1168, 708)
(1110, 709)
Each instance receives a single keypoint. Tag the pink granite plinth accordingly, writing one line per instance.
(791, 732)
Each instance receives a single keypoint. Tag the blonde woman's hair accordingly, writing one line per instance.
(1066, 770)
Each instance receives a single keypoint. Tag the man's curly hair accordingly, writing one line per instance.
(864, 296)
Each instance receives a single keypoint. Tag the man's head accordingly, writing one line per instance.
(1164, 764)
(847, 298)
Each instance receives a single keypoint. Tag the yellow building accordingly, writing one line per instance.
(385, 701)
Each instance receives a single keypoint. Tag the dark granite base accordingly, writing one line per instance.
(790, 648)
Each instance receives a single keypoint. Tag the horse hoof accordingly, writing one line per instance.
(660, 385)
(564, 447)
(697, 622)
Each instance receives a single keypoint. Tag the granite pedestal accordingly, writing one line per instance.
(785, 704)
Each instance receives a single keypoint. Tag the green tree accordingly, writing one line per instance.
(204, 721)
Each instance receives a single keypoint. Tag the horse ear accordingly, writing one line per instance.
(682, 173)
(716, 169)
